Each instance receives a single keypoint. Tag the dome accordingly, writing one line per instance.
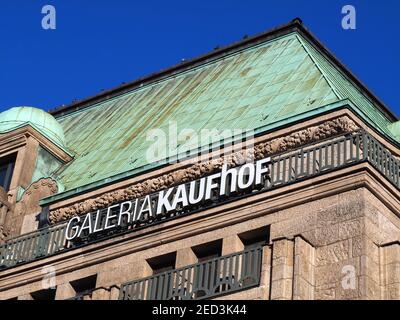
(42, 121)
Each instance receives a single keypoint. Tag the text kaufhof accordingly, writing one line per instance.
(185, 196)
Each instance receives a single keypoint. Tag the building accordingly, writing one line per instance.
(120, 196)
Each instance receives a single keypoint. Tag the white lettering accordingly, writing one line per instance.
(260, 171)
(127, 212)
(198, 187)
(163, 201)
(210, 185)
(96, 223)
(349, 20)
(110, 217)
(75, 229)
(174, 198)
(49, 20)
(158, 150)
(225, 180)
(146, 207)
(250, 176)
(87, 224)
(180, 197)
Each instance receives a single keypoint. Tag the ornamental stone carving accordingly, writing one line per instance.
(5, 211)
(312, 134)
(38, 190)
(23, 217)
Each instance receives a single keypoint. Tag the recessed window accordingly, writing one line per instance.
(209, 273)
(208, 251)
(7, 164)
(84, 286)
(255, 237)
(163, 263)
(47, 294)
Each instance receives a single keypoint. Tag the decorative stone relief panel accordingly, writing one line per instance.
(29, 205)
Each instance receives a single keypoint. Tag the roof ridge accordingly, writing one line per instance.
(345, 87)
(316, 44)
(324, 75)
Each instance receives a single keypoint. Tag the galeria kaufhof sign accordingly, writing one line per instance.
(165, 203)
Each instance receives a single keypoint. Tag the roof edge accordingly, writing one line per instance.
(308, 35)
(180, 67)
(294, 25)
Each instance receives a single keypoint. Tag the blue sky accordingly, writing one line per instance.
(100, 44)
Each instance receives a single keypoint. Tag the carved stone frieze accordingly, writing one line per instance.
(18, 220)
(312, 134)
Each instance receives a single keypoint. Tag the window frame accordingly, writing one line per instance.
(8, 163)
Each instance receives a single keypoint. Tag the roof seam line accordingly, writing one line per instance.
(335, 91)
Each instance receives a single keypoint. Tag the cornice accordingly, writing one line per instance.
(18, 137)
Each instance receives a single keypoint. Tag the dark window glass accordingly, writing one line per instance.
(47, 294)
(6, 170)
(85, 285)
(162, 263)
(255, 238)
(208, 251)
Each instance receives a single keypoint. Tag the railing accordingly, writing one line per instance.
(382, 160)
(203, 280)
(33, 246)
(289, 167)
(317, 159)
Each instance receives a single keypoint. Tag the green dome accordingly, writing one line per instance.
(42, 121)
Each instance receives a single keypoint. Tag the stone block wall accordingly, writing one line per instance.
(344, 246)
(351, 252)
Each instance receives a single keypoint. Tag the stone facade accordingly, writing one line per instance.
(332, 236)
(342, 246)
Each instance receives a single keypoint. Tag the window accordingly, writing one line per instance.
(208, 275)
(6, 170)
(162, 263)
(255, 238)
(209, 250)
(47, 294)
(84, 287)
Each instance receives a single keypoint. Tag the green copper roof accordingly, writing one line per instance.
(344, 89)
(269, 84)
(394, 129)
(42, 121)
